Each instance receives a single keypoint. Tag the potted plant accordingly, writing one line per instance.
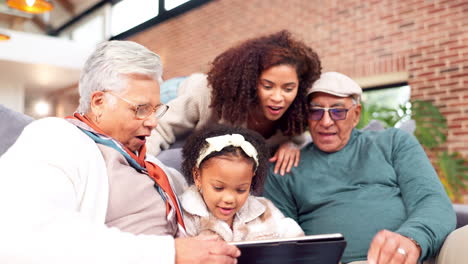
(431, 131)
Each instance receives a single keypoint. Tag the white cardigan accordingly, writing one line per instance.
(258, 219)
(53, 203)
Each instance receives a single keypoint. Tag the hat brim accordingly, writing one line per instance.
(332, 93)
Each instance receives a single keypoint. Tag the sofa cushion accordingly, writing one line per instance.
(12, 124)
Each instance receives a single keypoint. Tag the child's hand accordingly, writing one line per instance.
(287, 155)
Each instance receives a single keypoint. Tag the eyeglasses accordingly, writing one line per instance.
(316, 113)
(145, 110)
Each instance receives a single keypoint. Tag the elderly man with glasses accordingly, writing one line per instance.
(377, 188)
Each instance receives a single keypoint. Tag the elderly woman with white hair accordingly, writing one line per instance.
(81, 190)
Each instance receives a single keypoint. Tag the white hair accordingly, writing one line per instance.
(107, 65)
(356, 99)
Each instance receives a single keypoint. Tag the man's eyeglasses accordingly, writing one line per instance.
(316, 113)
(145, 110)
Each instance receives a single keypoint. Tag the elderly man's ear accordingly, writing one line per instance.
(357, 114)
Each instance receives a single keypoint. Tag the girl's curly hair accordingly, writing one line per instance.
(235, 73)
(196, 142)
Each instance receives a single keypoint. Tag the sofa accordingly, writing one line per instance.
(12, 124)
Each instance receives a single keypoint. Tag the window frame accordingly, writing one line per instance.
(162, 16)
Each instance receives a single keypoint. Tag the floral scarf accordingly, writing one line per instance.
(138, 162)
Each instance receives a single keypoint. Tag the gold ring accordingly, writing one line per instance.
(401, 251)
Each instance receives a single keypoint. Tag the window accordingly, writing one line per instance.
(170, 4)
(120, 19)
(92, 31)
(127, 14)
(389, 97)
(389, 104)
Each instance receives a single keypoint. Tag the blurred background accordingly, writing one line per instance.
(401, 52)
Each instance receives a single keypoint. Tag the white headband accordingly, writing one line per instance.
(220, 142)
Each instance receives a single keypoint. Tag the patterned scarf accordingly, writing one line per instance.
(138, 162)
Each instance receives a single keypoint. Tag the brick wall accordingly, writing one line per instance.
(426, 38)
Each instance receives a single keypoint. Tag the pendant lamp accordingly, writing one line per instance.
(4, 37)
(31, 6)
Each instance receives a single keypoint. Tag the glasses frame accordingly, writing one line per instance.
(330, 111)
(159, 110)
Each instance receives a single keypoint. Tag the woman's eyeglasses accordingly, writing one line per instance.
(145, 110)
(316, 113)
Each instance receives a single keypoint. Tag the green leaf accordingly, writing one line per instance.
(454, 169)
(370, 112)
(431, 125)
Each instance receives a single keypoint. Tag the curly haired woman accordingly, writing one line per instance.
(259, 84)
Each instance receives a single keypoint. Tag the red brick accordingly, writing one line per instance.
(455, 34)
(436, 79)
(425, 74)
(425, 59)
(461, 119)
(449, 42)
(457, 90)
(438, 10)
(458, 47)
(449, 113)
(435, 24)
(450, 83)
(460, 4)
(449, 56)
(427, 6)
(459, 75)
(435, 51)
(448, 98)
(436, 93)
(431, 47)
(448, 70)
(416, 69)
(455, 126)
(426, 47)
(459, 61)
(436, 65)
(459, 104)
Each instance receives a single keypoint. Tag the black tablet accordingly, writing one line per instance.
(312, 249)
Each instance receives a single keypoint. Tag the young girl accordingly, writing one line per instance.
(224, 165)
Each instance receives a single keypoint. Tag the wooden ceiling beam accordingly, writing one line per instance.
(67, 5)
(40, 23)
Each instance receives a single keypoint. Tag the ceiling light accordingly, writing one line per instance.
(42, 108)
(31, 6)
(4, 37)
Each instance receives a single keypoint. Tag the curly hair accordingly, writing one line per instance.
(196, 142)
(235, 73)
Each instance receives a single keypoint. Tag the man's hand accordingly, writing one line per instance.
(287, 155)
(392, 248)
(204, 250)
